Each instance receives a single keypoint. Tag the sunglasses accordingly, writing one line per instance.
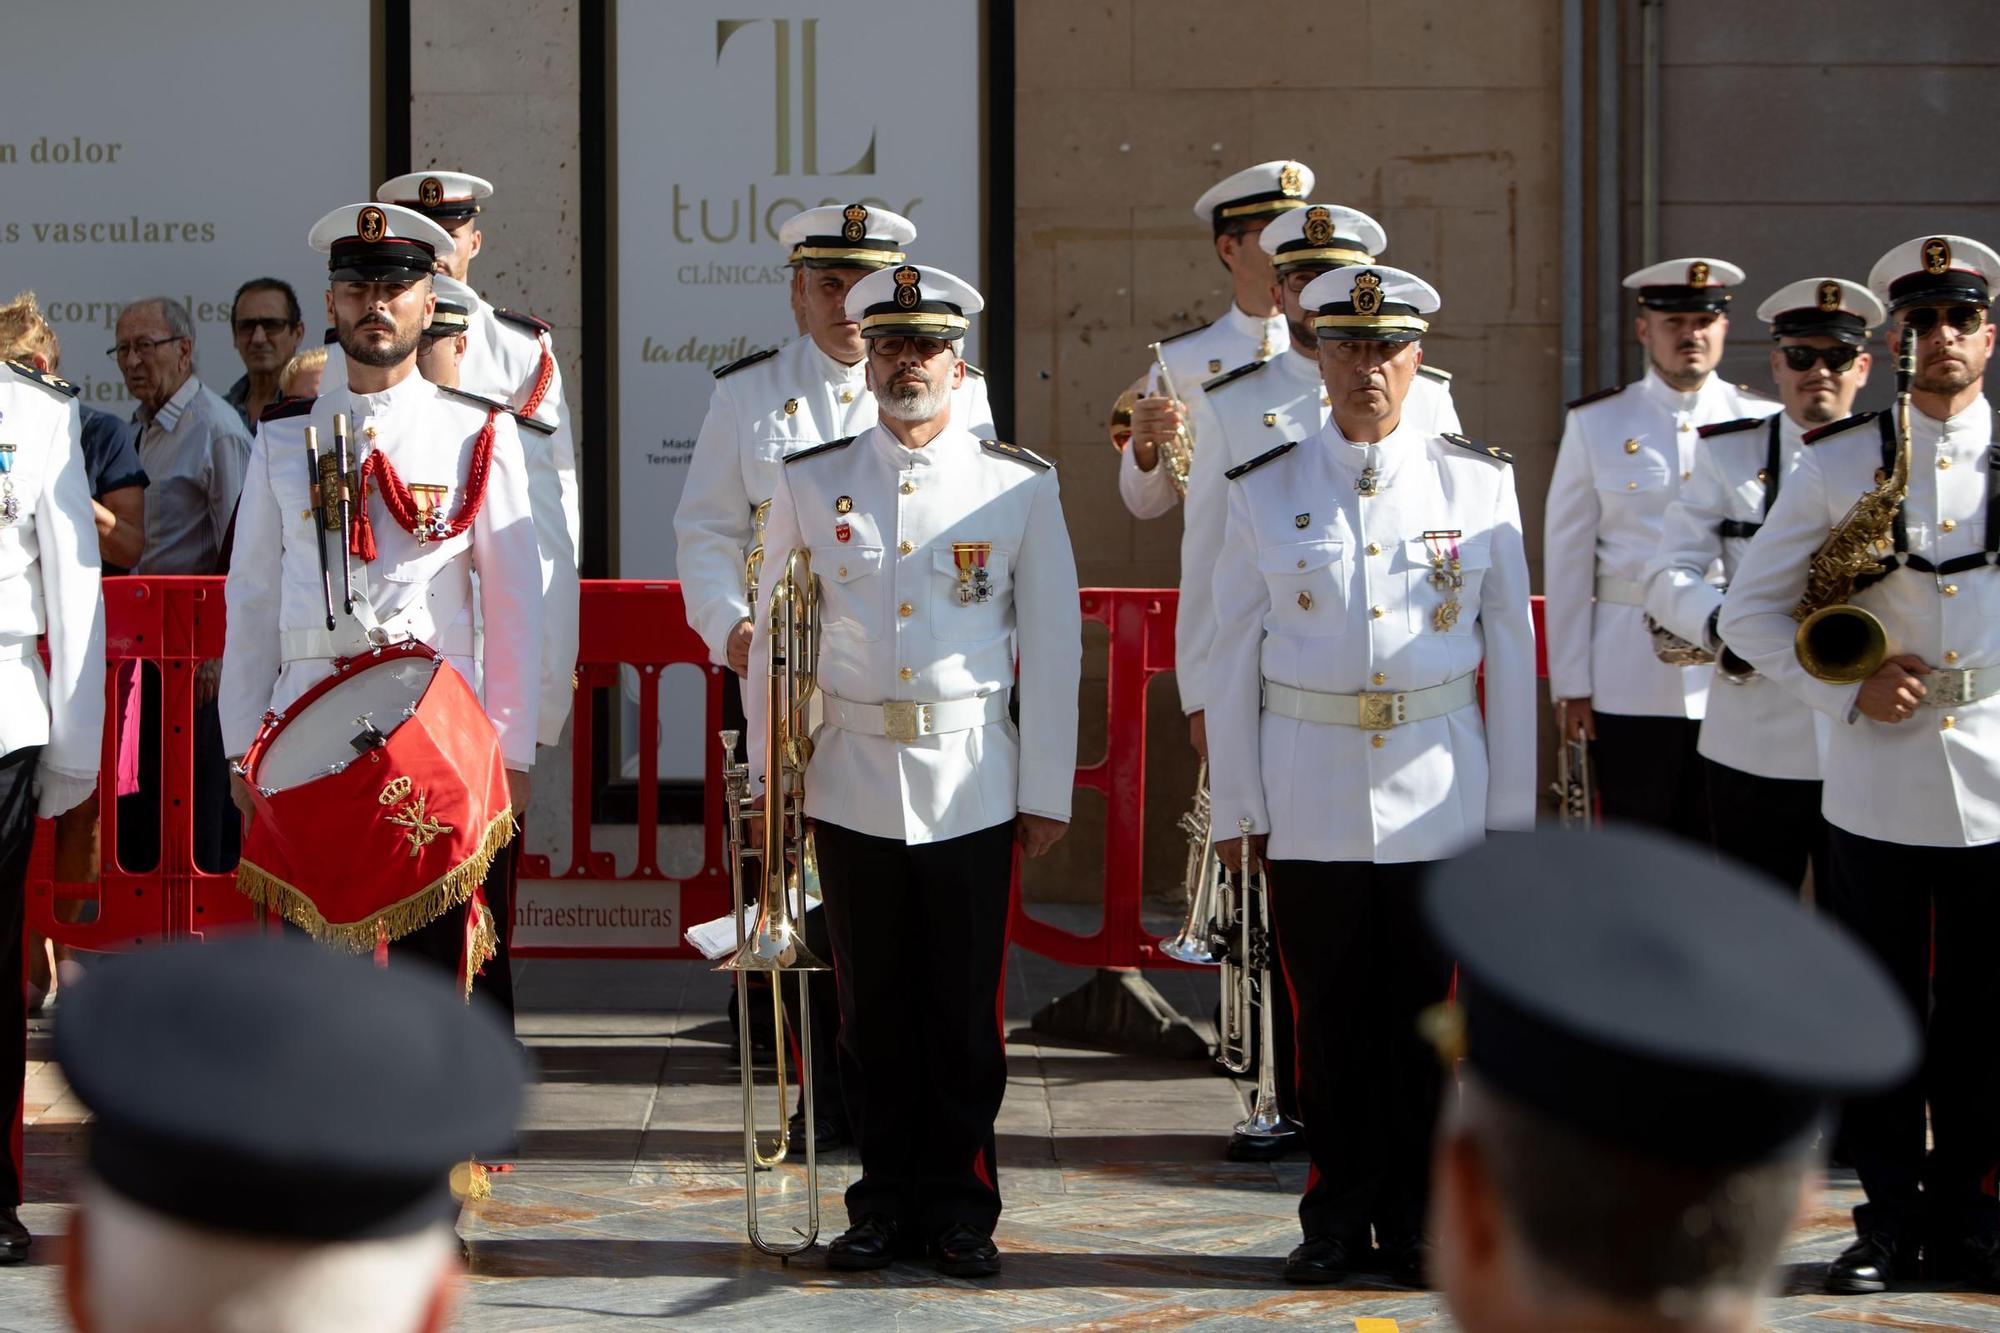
(1802, 359)
(1964, 319)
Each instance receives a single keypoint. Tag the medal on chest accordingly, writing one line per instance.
(432, 523)
(1447, 576)
(422, 518)
(974, 583)
(10, 504)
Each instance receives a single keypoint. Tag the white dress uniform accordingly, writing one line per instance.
(49, 586)
(1192, 358)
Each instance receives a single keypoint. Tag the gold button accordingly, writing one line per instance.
(905, 610)
(1950, 590)
(1686, 426)
(1686, 475)
(1631, 485)
(1302, 564)
(1375, 611)
(909, 487)
(1763, 475)
(1631, 446)
(1949, 722)
(906, 547)
(1381, 678)
(1305, 601)
(1374, 548)
(1943, 463)
(1378, 741)
(1949, 524)
(370, 432)
(843, 571)
(847, 395)
(1951, 654)
(906, 673)
(791, 407)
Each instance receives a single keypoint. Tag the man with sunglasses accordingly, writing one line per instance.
(1911, 760)
(946, 589)
(1757, 741)
(1626, 453)
(267, 325)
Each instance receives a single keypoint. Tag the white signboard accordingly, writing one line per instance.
(175, 148)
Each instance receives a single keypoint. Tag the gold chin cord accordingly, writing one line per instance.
(1837, 642)
(783, 863)
(1176, 454)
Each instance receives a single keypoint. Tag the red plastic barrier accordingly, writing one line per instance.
(175, 623)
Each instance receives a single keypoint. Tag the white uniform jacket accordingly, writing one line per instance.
(1752, 725)
(894, 627)
(764, 407)
(49, 585)
(278, 646)
(1932, 780)
(1320, 588)
(1625, 454)
(1238, 416)
(1194, 357)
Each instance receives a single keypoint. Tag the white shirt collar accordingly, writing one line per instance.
(413, 388)
(1668, 396)
(831, 370)
(1256, 327)
(169, 415)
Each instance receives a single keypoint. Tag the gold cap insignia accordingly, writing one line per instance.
(1319, 225)
(1698, 273)
(1290, 181)
(1937, 255)
(908, 293)
(1829, 297)
(371, 224)
(1214, 366)
(1367, 293)
(430, 192)
(1300, 520)
(844, 505)
(1270, 418)
(855, 228)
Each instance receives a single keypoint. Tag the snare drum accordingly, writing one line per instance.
(381, 799)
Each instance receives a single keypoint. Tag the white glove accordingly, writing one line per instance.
(58, 793)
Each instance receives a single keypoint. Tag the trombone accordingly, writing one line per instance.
(775, 943)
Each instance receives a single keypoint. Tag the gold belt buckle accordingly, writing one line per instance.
(1378, 709)
(899, 720)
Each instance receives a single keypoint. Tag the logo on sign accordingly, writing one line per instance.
(785, 84)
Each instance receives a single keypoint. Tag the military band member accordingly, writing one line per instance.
(1912, 759)
(1366, 575)
(942, 558)
(51, 726)
(1236, 209)
(1626, 452)
(1757, 742)
(380, 260)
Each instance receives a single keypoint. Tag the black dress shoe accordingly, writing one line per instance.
(14, 1238)
(869, 1243)
(1323, 1259)
(1869, 1265)
(1403, 1261)
(830, 1132)
(960, 1251)
(1974, 1261)
(1289, 1138)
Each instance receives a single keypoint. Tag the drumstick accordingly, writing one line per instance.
(319, 517)
(344, 460)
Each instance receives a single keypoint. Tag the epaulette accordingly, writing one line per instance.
(1819, 433)
(743, 361)
(1438, 373)
(46, 380)
(828, 447)
(1729, 427)
(1590, 398)
(539, 427)
(285, 407)
(1017, 453)
(1227, 376)
(1242, 469)
(1184, 333)
(1473, 446)
(971, 369)
(529, 322)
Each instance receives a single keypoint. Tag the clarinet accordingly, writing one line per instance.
(318, 493)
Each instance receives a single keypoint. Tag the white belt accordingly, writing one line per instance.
(11, 648)
(905, 720)
(1620, 592)
(1375, 710)
(1947, 688)
(318, 644)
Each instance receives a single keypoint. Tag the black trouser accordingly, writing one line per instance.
(442, 942)
(828, 1100)
(919, 947)
(1931, 915)
(1361, 969)
(17, 838)
(1771, 824)
(1648, 772)
(218, 828)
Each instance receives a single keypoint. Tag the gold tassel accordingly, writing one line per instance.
(470, 1182)
(485, 944)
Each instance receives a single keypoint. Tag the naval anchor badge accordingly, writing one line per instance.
(371, 224)
(433, 525)
(1291, 181)
(854, 224)
(1937, 255)
(1447, 576)
(908, 293)
(430, 192)
(1829, 296)
(974, 584)
(1319, 225)
(1367, 292)
(10, 503)
(1698, 273)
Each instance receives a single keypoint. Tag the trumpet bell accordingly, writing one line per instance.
(1120, 425)
(1192, 947)
(1841, 644)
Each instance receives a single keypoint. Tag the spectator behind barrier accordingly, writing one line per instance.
(267, 325)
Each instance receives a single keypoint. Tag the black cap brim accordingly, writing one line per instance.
(1684, 300)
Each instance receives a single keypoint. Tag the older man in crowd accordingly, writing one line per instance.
(267, 325)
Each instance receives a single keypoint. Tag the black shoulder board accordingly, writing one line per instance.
(1242, 468)
(1247, 368)
(43, 378)
(539, 427)
(529, 322)
(828, 447)
(1589, 398)
(1017, 453)
(749, 360)
(285, 407)
(1492, 451)
(1845, 423)
(973, 370)
(1176, 337)
(1728, 427)
(1438, 373)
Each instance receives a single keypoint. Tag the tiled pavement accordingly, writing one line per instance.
(625, 1204)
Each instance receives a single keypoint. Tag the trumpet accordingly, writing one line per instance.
(1244, 934)
(775, 943)
(1177, 454)
(1575, 798)
(1195, 941)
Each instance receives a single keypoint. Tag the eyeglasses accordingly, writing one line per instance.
(1802, 359)
(1964, 319)
(138, 347)
(272, 327)
(892, 347)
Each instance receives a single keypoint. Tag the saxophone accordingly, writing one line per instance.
(1836, 642)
